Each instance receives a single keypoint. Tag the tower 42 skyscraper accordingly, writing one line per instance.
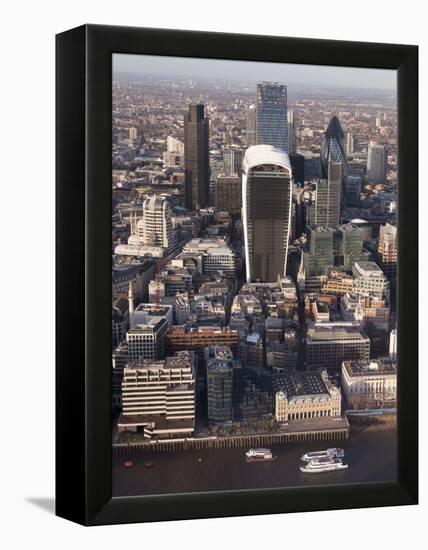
(196, 158)
(266, 200)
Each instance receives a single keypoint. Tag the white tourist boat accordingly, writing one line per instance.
(259, 455)
(328, 453)
(320, 465)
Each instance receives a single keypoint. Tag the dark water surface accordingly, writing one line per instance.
(371, 455)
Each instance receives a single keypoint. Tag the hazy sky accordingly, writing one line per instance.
(252, 71)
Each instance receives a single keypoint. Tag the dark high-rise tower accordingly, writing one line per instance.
(196, 158)
(298, 168)
(271, 119)
(333, 147)
(219, 360)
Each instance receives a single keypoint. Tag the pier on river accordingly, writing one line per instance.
(309, 431)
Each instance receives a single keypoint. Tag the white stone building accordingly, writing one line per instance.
(212, 255)
(147, 341)
(305, 396)
(370, 384)
(370, 279)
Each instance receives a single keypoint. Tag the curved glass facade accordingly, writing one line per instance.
(267, 219)
(333, 147)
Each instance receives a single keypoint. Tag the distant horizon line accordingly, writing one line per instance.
(209, 79)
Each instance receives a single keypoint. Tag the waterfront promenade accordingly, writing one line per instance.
(298, 431)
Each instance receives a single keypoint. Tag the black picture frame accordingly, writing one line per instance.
(83, 274)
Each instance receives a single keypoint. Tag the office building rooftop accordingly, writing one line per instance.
(374, 367)
(368, 269)
(297, 383)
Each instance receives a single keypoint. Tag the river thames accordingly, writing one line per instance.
(370, 453)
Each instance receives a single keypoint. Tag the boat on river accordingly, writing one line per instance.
(260, 455)
(328, 453)
(325, 464)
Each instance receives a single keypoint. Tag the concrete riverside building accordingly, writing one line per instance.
(219, 361)
(370, 384)
(329, 344)
(305, 395)
(159, 396)
(267, 203)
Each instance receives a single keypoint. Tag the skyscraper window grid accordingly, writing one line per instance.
(271, 119)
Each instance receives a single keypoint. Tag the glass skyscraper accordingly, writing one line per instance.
(267, 202)
(377, 163)
(336, 246)
(327, 210)
(271, 119)
(292, 141)
(333, 147)
(251, 126)
(232, 161)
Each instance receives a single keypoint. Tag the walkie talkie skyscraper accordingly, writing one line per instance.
(266, 209)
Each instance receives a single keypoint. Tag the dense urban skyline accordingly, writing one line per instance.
(254, 243)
